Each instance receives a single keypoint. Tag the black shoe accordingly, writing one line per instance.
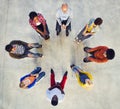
(57, 33)
(52, 71)
(40, 55)
(65, 74)
(37, 45)
(86, 49)
(86, 60)
(67, 33)
(47, 37)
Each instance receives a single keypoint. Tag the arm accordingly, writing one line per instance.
(85, 33)
(58, 17)
(31, 23)
(19, 42)
(21, 79)
(16, 56)
(32, 84)
(43, 21)
(98, 60)
(70, 17)
(97, 48)
(57, 86)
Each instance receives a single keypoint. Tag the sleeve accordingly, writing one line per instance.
(97, 48)
(19, 42)
(70, 17)
(91, 21)
(21, 79)
(98, 60)
(48, 94)
(41, 18)
(32, 84)
(58, 17)
(31, 23)
(17, 56)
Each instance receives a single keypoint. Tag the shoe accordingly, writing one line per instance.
(57, 33)
(67, 33)
(47, 37)
(36, 70)
(37, 45)
(65, 74)
(86, 49)
(86, 60)
(52, 71)
(39, 55)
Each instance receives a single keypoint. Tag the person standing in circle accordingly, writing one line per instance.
(38, 22)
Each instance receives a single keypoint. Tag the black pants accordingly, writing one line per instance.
(40, 27)
(58, 27)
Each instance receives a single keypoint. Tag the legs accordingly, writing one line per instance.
(41, 75)
(58, 28)
(52, 78)
(37, 70)
(68, 28)
(86, 59)
(81, 37)
(33, 55)
(62, 83)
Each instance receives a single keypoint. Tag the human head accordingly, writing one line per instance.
(21, 85)
(98, 21)
(72, 65)
(32, 15)
(54, 100)
(64, 7)
(88, 83)
(110, 54)
(8, 48)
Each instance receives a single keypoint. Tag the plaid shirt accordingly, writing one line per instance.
(41, 20)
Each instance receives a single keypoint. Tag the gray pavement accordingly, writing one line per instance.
(59, 53)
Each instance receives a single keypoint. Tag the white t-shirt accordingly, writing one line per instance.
(55, 91)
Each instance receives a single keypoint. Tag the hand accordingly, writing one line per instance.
(64, 26)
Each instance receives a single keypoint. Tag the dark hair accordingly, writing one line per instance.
(110, 54)
(98, 21)
(72, 65)
(54, 100)
(8, 47)
(32, 15)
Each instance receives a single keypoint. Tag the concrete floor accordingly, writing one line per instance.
(59, 53)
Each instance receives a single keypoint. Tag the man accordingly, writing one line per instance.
(19, 49)
(100, 54)
(56, 93)
(63, 17)
(84, 78)
(89, 30)
(38, 22)
(30, 80)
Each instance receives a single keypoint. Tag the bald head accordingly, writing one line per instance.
(64, 7)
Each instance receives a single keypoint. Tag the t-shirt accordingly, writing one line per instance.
(55, 91)
(19, 49)
(90, 26)
(61, 16)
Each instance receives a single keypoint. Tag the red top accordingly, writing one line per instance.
(98, 54)
(41, 20)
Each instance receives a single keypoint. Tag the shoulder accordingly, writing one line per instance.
(91, 21)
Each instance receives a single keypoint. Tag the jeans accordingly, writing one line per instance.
(58, 27)
(81, 37)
